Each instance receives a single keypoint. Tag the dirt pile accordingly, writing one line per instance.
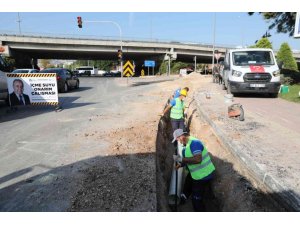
(125, 179)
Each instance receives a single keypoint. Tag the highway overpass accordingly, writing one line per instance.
(25, 47)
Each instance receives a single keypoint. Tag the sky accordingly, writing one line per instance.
(232, 29)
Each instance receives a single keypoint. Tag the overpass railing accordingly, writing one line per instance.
(115, 38)
(111, 38)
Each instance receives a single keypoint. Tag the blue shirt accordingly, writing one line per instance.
(177, 93)
(196, 149)
(173, 102)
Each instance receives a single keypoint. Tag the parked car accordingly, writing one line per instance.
(108, 74)
(65, 78)
(3, 80)
(75, 72)
(87, 70)
(25, 71)
(116, 74)
(101, 72)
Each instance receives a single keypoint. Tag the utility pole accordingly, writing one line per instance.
(169, 66)
(151, 28)
(242, 32)
(214, 40)
(19, 21)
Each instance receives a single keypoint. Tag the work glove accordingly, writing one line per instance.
(177, 158)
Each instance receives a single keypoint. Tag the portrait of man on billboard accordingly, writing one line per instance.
(17, 97)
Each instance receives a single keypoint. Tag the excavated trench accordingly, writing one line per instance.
(164, 165)
(233, 188)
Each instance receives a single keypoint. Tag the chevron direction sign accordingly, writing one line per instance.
(128, 69)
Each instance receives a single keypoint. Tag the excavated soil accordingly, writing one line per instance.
(233, 189)
(135, 173)
(118, 183)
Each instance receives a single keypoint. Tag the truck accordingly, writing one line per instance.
(87, 70)
(251, 70)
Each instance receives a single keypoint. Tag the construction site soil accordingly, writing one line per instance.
(136, 172)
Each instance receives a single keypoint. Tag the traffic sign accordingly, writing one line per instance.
(149, 63)
(128, 69)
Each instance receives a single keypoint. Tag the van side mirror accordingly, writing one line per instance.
(280, 64)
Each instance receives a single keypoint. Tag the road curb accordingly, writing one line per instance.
(290, 200)
(152, 81)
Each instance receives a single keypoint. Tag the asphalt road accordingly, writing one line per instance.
(39, 145)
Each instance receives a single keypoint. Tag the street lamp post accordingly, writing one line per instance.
(169, 66)
(19, 21)
(120, 32)
(242, 31)
(214, 40)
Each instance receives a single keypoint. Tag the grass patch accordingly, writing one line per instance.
(293, 94)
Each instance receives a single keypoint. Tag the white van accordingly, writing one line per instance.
(252, 70)
(87, 70)
(3, 80)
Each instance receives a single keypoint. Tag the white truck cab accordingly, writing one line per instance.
(251, 70)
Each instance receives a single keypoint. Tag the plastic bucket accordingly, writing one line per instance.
(284, 89)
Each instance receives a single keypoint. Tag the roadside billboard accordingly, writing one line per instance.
(32, 89)
(297, 26)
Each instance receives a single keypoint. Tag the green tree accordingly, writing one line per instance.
(45, 63)
(100, 64)
(284, 22)
(164, 67)
(263, 43)
(176, 66)
(104, 64)
(11, 62)
(285, 56)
